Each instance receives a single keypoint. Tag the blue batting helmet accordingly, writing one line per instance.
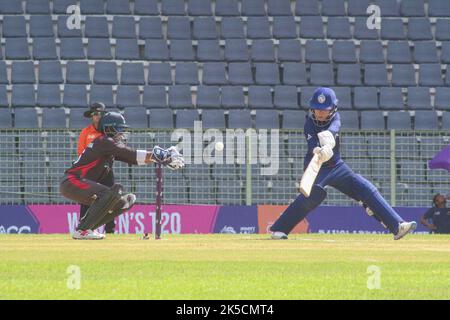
(323, 99)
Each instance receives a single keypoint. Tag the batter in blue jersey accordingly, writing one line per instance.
(322, 134)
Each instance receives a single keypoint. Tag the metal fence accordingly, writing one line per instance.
(32, 161)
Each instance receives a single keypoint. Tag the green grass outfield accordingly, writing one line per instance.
(307, 266)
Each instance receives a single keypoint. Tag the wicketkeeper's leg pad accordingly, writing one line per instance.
(104, 205)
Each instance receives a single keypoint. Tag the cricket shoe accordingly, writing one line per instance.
(87, 235)
(278, 235)
(129, 200)
(404, 228)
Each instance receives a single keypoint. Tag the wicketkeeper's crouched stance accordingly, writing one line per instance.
(321, 131)
(79, 183)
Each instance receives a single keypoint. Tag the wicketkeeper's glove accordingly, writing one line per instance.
(170, 158)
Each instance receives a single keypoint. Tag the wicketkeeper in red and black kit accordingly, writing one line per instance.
(80, 182)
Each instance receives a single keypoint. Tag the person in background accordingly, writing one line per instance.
(87, 135)
(437, 219)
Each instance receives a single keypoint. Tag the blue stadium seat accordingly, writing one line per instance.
(186, 118)
(338, 28)
(399, 120)
(412, 8)
(180, 96)
(284, 28)
(128, 96)
(99, 49)
(23, 96)
(208, 97)
(446, 120)
(44, 49)
(372, 120)
(267, 119)
(132, 73)
(25, 118)
(289, 50)
(357, 8)
(186, 73)
(159, 73)
(156, 49)
(348, 75)
(307, 8)
(172, 8)
(322, 74)
(425, 120)
(103, 93)
(213, 119)
(349, 120)
(239, 119)
(92, 7)
(204, 28)
(136, 117)
(75, 96)
(389, 8)
(5, 118)
(260, 97)
(398, 52)
(154, 97)
(333, 8)
(236, 50)
(403, 75)
(96, 27)
(54, 118)
(286, 97)
(293, 119)
(199, 8)
(445, 52)
(267, 74)
(294, 74)
(366, 98)
(71, 49)
(127, 49)
(214, 73)
(48, 95)
(227, 8)
(258, 28)
(178, 28)
(361, 31)
(11, 7)
(438, 8)
(232, 28)
(391, 98)
(64, 31)
(425, 52)
(430, 75)
(253, 8)
(305, 95)
(209, 50)
(146, 7)
(345, 97)
(442, 98)
(118, 7)
(22, 72)
(263, 50)
(16, 49)
(442, 32)
(344, 52)
(392, 29)
(181, 50)
(240, 73)
(123, 27)
(233, 97)
(150, 28)
(419, 29)
(161, 119)
(3, 97)
(41, 26)
(77, 72)
(3, 73)
(279, 8)
(311, 27)
(14, 26)
(375, 75)
(316, 51)
(419, 98)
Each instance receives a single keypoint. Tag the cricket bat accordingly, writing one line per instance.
(309, 176)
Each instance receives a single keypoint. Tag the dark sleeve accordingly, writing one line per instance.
(429, 213)
(335, 125)
(120, 151)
